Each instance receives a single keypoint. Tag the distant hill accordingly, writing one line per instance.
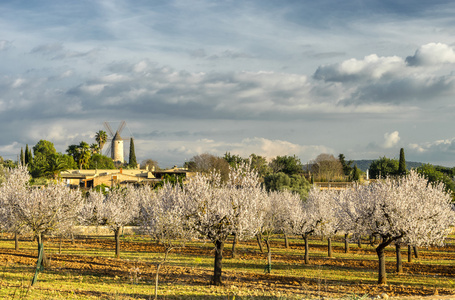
(364, 164)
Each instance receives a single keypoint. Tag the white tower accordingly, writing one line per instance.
(117, 148)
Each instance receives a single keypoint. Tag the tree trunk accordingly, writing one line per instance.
(359, 242)
(45, 262)
(219, 245)
(346, 243)
(234, 244)
(307, 254)
(16, 241)
(399, 261)
(60, 245)
(72, 239)
(329, 247)
(259, 239)
(416, 253)
(286, 241)
(382, 276)
(158, 266)
(409, 253)
(117, 242)
(269, 256)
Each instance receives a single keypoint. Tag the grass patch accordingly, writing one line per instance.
(86, 269)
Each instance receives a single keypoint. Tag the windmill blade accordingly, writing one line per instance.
(131, 134)
(120, 127)
(108, 150)
(109, 129)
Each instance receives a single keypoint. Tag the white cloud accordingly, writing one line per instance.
(446, 145)
(391, 139)
(432, 54)
(370, 67)
(272, 148)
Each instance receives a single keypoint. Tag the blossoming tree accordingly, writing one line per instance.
(116, 209)
(162, 217)
(405, 209)
(48, 210)
(218, 210)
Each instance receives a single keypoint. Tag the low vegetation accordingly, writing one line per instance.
(87, 269)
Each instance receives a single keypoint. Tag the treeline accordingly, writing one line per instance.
(277, 174)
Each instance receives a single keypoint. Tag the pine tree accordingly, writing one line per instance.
(132, 160)
(402, 163)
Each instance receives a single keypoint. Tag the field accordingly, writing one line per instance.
(87, 269)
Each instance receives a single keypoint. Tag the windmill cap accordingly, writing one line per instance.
(117, 136)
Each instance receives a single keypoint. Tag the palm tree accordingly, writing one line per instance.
(101, 138)
(95, 148)
(55, 165)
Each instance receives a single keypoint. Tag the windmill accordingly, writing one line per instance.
(115, 142)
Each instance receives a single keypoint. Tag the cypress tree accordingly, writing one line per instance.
(26, 157)
(132, 159)
(22, 158)
(402, 163)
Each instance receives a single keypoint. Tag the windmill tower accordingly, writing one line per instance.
(115, 141)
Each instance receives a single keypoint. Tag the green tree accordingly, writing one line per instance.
(28, 155)
(99, 161)
(402, 164)
(383, 167)
(234, 160)
(280, 181)
(44, 153)
(433, 175)
(346, 165)
(40, 164)
(259, 163)
(44, 147)
(69, 161)
(95, 148)
(56, 163)
(22, 157)
(81, 154)
(355, 175)
(287, 164)
(132, 158)
(101, 139)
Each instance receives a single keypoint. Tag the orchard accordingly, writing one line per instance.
(182, 232)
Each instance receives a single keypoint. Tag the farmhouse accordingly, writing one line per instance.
(114, 177)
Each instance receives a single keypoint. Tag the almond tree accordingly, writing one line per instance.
(48, 210)
(270, 224)
(277, 207)
(218, 210)
(162, 217)
(14, 187)
(325, 215)
(407, 209)
(303, 219)
(116, 209)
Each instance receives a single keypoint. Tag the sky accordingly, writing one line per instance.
(290, 77)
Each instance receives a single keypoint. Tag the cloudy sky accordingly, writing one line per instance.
(359, 77)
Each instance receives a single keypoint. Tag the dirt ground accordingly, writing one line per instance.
(241, 280)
